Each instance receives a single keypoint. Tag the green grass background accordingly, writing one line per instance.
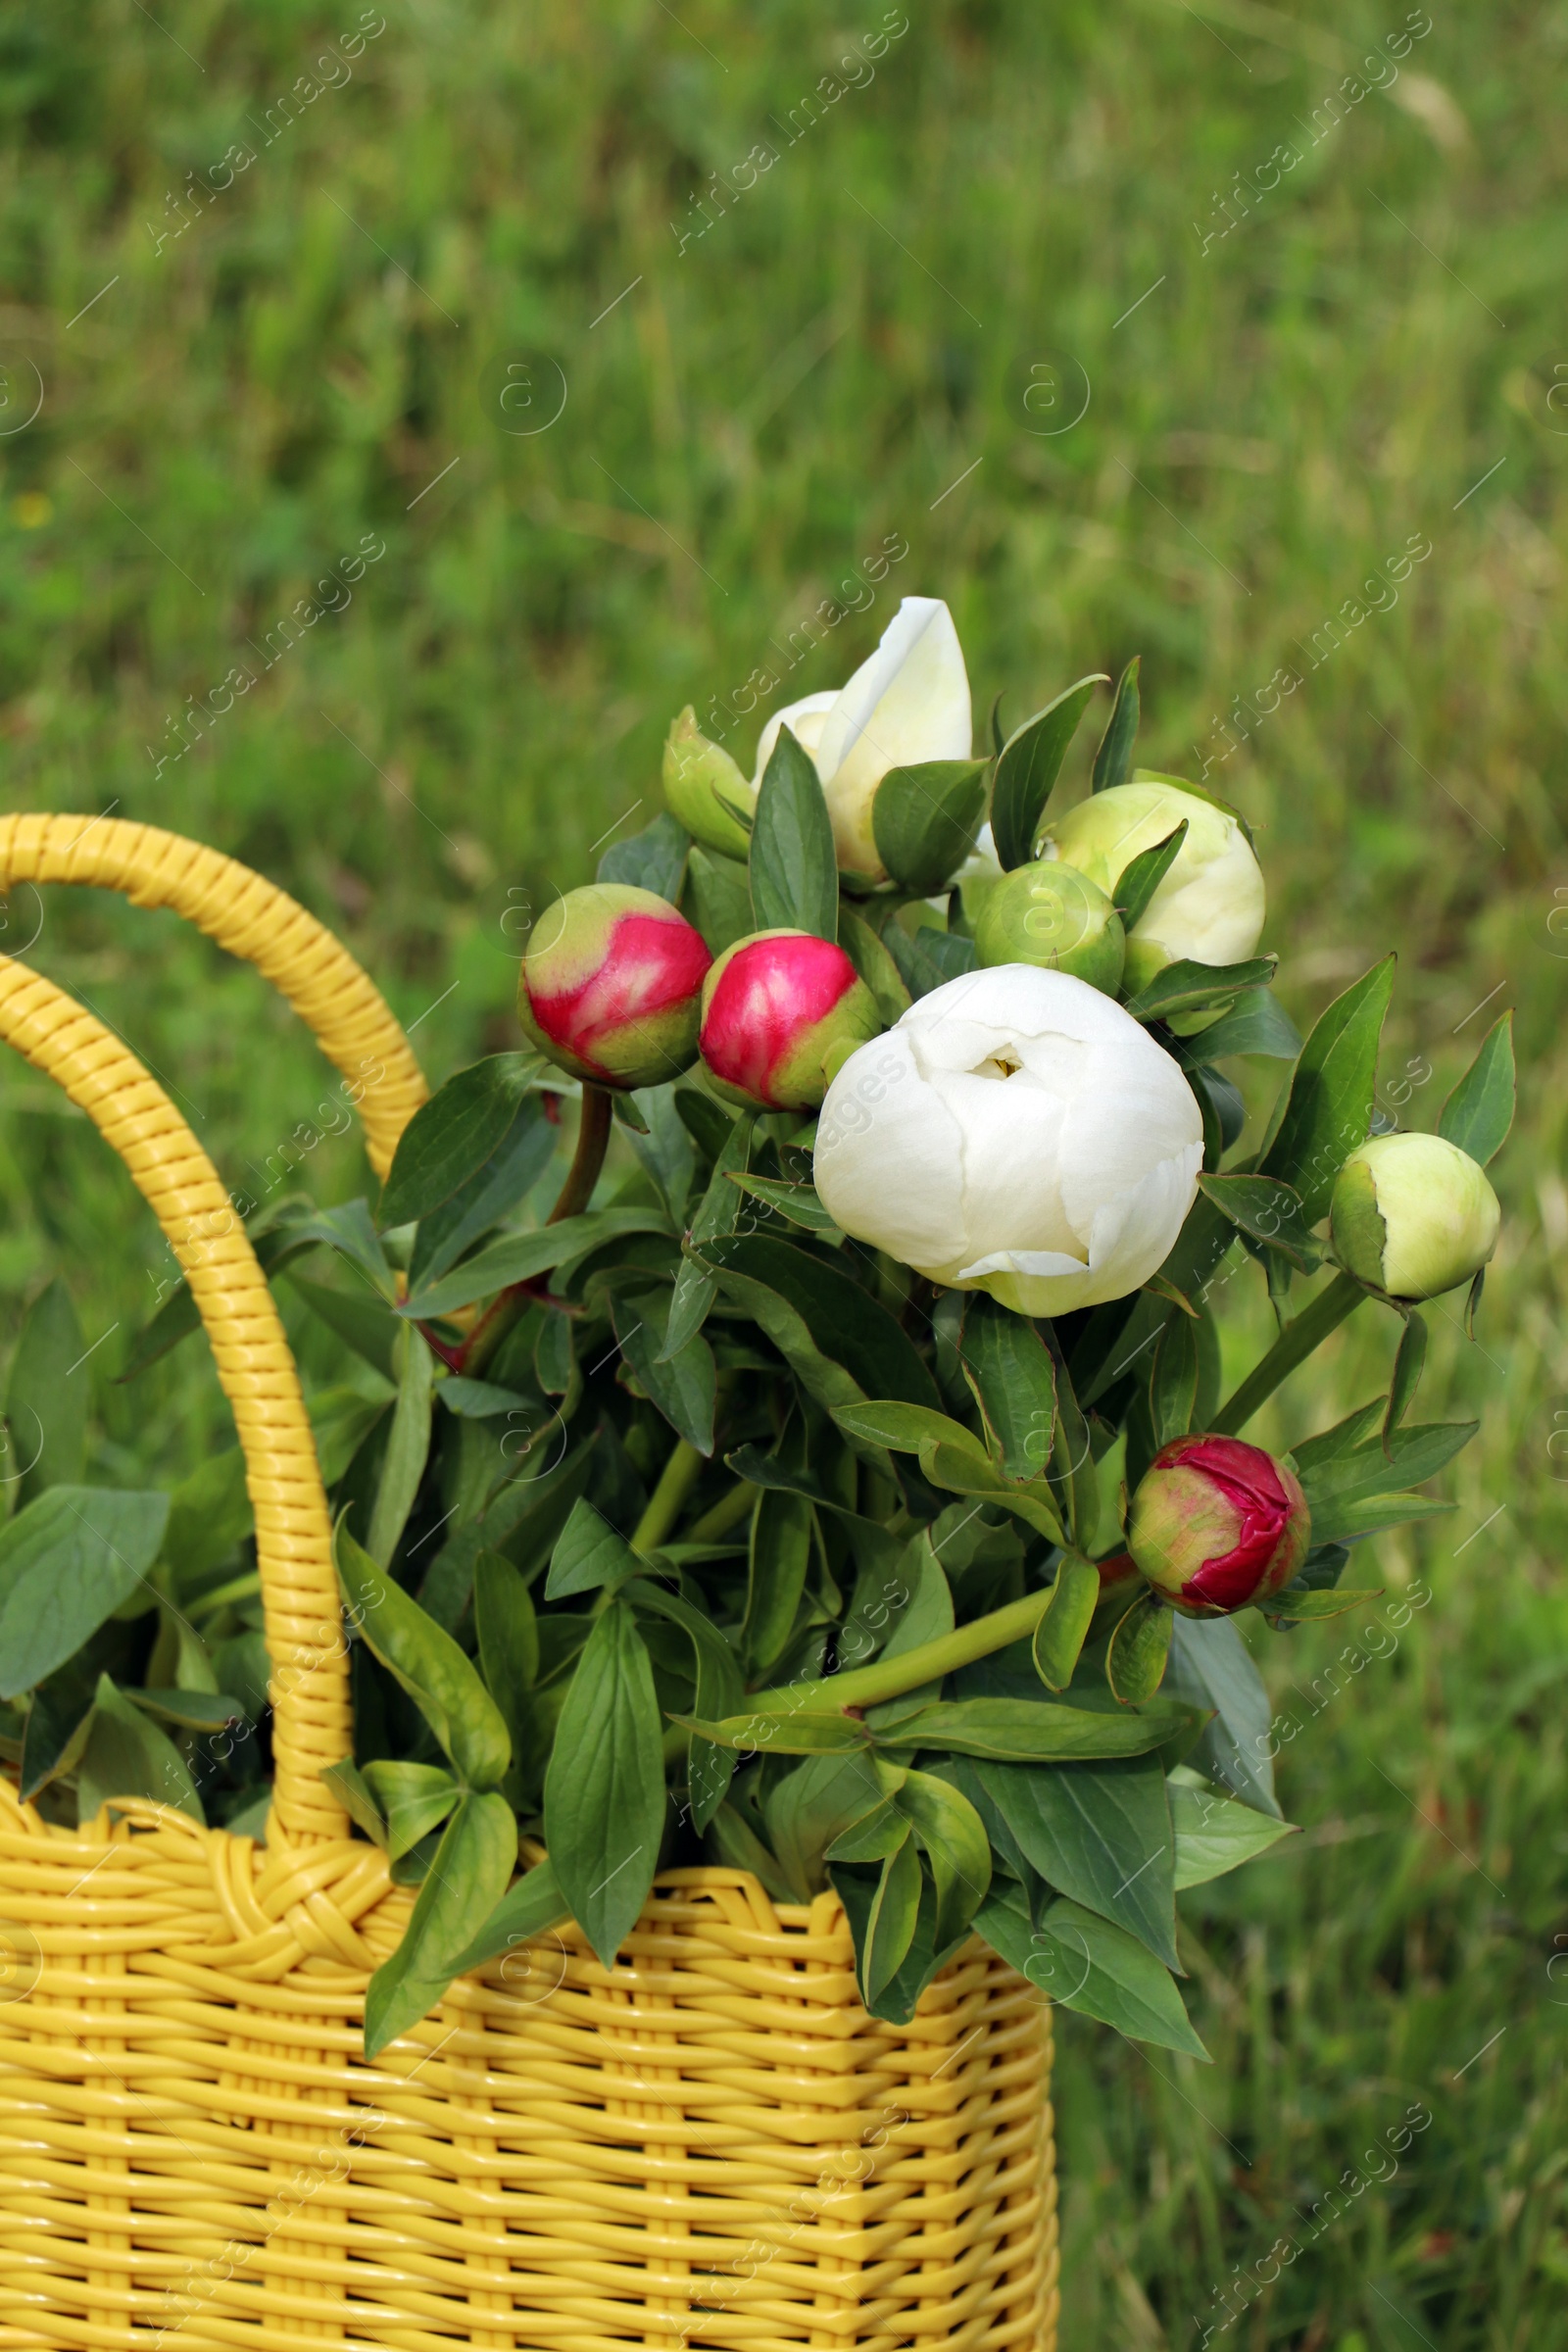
(1281, 413)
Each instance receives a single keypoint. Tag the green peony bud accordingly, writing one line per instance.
(1209, 907)
(704, 789)
(1412, 1215)
(1053, 914)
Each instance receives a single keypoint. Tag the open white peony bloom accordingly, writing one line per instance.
(908, 703)
(1018, 1133)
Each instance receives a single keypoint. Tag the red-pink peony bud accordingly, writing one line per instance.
(775, 1006)
(1216, 1524)
(612, 986)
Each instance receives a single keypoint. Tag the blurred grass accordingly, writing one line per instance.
(838, 362)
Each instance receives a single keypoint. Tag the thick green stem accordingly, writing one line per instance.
(891, 1677)
(1293, 1346)
(504, 1311)
(676, 1482)
(593, 1141)
(727, 1513)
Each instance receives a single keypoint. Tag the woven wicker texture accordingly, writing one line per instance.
(252, 918)
(712, 2143)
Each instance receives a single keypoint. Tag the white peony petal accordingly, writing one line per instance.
(889, 1160)
(804, 721)
(908, 703)
(1012, 1130)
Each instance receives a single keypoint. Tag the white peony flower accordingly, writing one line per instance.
(908, 703)
(1210, 904)
(1018, 1133)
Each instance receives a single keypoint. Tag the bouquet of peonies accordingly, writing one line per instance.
(825, 1471)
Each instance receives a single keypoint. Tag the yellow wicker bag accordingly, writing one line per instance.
(711, 2144)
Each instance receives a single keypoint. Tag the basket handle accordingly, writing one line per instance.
(312, 1722)
(252, 918)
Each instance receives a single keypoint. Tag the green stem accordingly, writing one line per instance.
(676, 1482)
(593, 1141)
(727, 1513)
(1294, 1344)
(889, 1678)
(504, 1309)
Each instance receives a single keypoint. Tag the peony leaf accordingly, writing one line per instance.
(1083, 1961)
(1187, 987)
(1267, 1211)
(924, 820)
(450, 1138)
(1478, 1113)
(792, 868)
(1114, 758)
(605, 1793)
(1027, 768)
(1135, 886)
(1327, 1109)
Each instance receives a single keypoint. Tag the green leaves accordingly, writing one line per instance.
(47, 1396)
(1478, 1113)
(1135, 1663)
(451, 1137)
(1142, 876)
(717, 1214)
(527, 1911)
(1058, 1638)
(428, 1664)
(1267, 1211)
(924, 820)
(1114, 758)
(67, 1562)
(1100, 1833)
(780, 1552)
(845, 1322)
(1013, 1380)
(1190, 987)
(523, 1254)
(466, 1880)
(1329, 1105)
(1357, 1493)
(407, 1447)
(588, 1556)
(1083, 1961)
(605, 1785)
(1023, 1731)
(412, 1798)
(1027, 768)
(1215, 1834)
(1211, 1667)
(1256, 1023)
(653, 859)
(127, 1756)
(683, 1386)
(794, 872)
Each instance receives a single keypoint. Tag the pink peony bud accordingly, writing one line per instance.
(1215, 1525)
(611, 985)
(775, 1007)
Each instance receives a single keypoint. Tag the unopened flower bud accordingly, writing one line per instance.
(776, 1007)
(1210, 905)
(1053, 914)
(706, 791)
(611, 985)
(1216, 1524)
(1412, 1215)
